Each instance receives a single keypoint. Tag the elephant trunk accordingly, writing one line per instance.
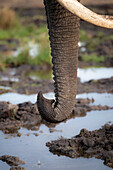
(64, 35)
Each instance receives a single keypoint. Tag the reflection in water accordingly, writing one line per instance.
(99, 98)
(13, 79)
(16, 98)
(83, 74)
(4, 87)
(32, 148)
(50, 95)
(94, 73)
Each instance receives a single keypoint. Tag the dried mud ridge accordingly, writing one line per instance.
(98, 144)
(13, 117)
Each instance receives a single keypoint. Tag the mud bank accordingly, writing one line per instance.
(99, 86)
(26, 85)
(13, 117)
(12, 160)
(98, 144)
(17, 168)
(27, 79)
(18, 80)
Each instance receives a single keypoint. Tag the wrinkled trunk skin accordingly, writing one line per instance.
(64, 35)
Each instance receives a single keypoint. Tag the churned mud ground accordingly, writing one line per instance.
(97, 143)
(13, 161)
(22, 127)
(13, 117)
(20, 81)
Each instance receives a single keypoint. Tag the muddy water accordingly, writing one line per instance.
(103, 98)
(6, 88)
(32, 148)
(9, 79)
(15, 98)
(84, 74)
(94, 73)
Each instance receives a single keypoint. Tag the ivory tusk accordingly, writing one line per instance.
(84, 13)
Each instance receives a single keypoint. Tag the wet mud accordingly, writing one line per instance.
(88, 144)
(97, 143)
(12, 160)
(18, 81)
(13, 117)
(17, 168)
(99, 86)
(27, 85)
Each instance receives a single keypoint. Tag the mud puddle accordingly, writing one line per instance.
(44, 73)
(23, 80)
(9, 79)
(99, 98)
(94, 73)
(107, 98)
(5, 88)
(103, 98)
(32, 149)
(30, 146)
(16, 98)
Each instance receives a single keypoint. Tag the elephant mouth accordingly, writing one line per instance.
(84, 13)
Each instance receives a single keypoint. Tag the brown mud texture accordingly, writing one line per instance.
(17, 168)
(13, 117)
(27, 85)
(98, 144)
(12, 160)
